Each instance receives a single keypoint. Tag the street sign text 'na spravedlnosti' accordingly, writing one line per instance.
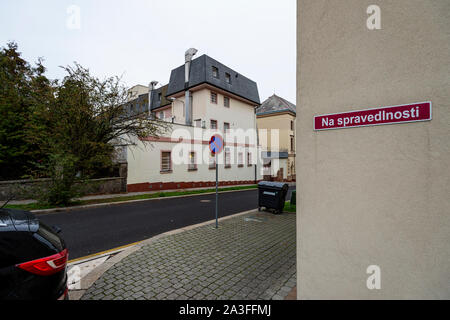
(413, 112)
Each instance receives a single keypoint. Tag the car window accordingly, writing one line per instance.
(49, 235)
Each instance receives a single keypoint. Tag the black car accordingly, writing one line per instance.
(33, 259)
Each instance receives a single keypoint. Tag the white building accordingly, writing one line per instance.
(220, 101)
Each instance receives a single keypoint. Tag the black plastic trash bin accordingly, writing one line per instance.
(272, 195)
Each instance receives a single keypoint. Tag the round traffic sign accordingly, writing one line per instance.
(216, 144)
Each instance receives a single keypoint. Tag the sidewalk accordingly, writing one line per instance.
(251, 256)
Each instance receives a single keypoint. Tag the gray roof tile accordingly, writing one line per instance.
(276, 104)
(201, 72)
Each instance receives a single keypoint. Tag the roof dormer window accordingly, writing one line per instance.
(228, 78)
(215, 72)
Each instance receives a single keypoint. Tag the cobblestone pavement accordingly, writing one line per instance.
(250, 257)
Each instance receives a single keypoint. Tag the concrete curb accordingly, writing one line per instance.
(56, 210)
(95, 274)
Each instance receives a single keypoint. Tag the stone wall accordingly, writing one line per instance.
(20, 188)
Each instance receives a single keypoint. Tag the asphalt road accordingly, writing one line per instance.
(93, 230)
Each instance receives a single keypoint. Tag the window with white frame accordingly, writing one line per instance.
(192, 162)
(215, 72)
(228, 78)
(249, 159)
(227, 158)
(212, 161)
(240, 159)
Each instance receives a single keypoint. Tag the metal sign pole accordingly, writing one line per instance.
(217, 192)
(216, 146)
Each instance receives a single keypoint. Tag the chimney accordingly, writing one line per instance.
(187, 69)
(151, 88)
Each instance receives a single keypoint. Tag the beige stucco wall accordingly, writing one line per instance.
(275, 135)
(282, 123)
(373, 195)
(136, 91)
(239, 115)
(144, 159)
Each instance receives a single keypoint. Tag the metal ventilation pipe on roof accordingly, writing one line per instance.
(151, 88)
(187, 69)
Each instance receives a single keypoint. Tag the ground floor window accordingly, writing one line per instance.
(227, 158)
(166, 161)
(212, 161)
(192, 162)
(240, 159)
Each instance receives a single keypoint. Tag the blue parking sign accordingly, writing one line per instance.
(216, 144)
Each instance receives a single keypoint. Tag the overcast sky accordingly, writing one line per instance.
(143, 40)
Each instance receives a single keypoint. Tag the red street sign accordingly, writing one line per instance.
(216, 144)
(415, 112)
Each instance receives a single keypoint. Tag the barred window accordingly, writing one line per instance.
(240, 159)
(226, 102)
(192, 162)
(227, 158)
(214, 97)
(249, 159)
(212, 161)
(166, 161)
(214, 124)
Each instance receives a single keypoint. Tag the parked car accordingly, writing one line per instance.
(33, 258)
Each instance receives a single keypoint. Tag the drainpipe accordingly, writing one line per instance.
(151, 88)
(187, 69)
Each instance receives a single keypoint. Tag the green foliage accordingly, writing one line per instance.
(64, 185)
(66, 130)
(289, 207)
(22, 89)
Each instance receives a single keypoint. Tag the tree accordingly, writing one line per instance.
(22, 89)
(79, 128)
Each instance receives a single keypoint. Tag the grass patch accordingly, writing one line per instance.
(38, 206)
(288, 207)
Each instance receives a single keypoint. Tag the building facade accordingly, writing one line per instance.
(373, 201)
(220, 101)
(276, 126)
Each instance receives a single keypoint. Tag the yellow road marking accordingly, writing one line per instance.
(103, 252)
